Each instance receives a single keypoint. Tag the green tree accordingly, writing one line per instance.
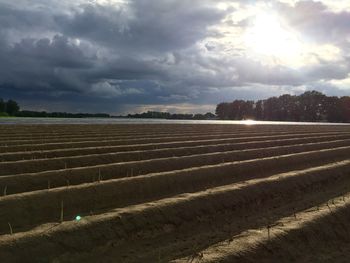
(12, 107)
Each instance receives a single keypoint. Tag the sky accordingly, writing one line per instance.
(184, 56)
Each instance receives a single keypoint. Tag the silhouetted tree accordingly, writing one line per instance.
(259, 110)
(271, 109)
(309, 106)
(333, 109)
(237, 110)
(222, 110)
(286, 107)
(209, 115)
(345, 106)
(248, 110)
(12, 107)
(312, 105)
(2, 105)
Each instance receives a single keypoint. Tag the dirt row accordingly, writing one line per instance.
(33, 208)
(112, 136)
(143, 140)
(316, 234)
(12, 138)
(152, 193)
(40, 165)
(232, 204)
(135, 130)
(324, 239)
(74, 176)
(156, 130)
(44, 154)
(51, 146)
(25, 138)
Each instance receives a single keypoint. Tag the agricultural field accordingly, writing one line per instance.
(174, 193)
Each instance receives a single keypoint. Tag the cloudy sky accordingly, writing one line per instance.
(120, 56)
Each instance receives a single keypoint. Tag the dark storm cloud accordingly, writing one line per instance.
(57, 65)
(102, 57)
(143, 25)
(42, 63)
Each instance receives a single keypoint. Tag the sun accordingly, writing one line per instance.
(269, 36)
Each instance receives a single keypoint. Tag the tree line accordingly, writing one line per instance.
(11, 108)
(311, 106)
(43, 114)
(174, 116)
(8, 108)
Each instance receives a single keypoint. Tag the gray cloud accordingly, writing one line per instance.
(317, 22)
(144, 25)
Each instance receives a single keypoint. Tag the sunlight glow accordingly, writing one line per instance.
(249, 122)
(269, 36)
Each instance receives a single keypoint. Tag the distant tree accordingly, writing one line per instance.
(12, 107)
(209, 116)
(334, 110)
(345, 106)
(286, 107)
(309, 106)
(247, 110)
(271, 109)
(241, 110)
(180, 116)
(150, 115)
(259, 110)
(198, 116)
(295, 110)
(2, 105)
(312, 105)
(222, 110)
(235, 112)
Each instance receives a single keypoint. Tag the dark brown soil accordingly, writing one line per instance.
(174, 193)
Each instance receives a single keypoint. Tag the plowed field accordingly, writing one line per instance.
(174, 193)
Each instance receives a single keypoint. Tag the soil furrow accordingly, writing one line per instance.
(123, 227)
(40, 165)
(37, 207)
(44, 154)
